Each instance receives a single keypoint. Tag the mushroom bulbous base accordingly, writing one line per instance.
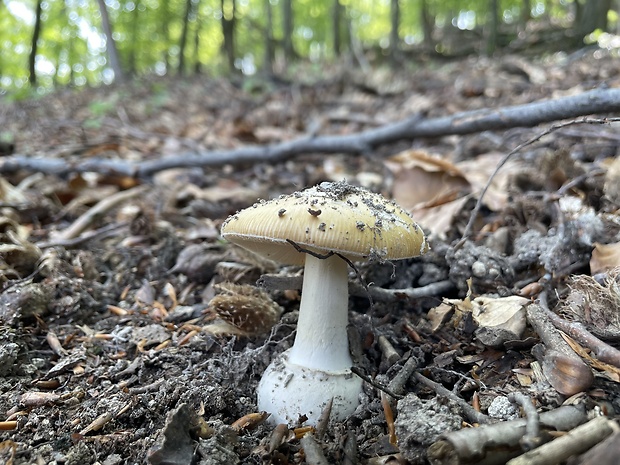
(287, 391)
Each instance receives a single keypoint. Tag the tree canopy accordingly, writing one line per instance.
(45, 43)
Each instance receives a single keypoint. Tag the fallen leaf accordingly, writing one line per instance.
(479, 170)
(431, 188)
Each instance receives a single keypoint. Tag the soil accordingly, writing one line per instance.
(114, 351)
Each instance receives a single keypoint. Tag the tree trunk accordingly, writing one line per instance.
(184, 32)
(491, 26)
(589, 16)
(287, 15)
(526, 11)
(268, 60)
(197, 63)
(135, 25)
(427, 24)
(36, 33)
(111, 49)
(228, 30)
(336, 20)
(394, 36)
(165, 29)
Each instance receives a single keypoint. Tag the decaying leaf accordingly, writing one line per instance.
(175, 444)
(10, 194)
(198, 262)
(149, 335)
(243, 310)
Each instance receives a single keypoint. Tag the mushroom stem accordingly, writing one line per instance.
(321, 342)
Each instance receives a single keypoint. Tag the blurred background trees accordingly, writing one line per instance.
(45, 43)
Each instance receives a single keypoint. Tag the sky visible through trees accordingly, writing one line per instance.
(45, 43)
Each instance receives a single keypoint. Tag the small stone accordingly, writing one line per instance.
(503, 409)
(420, 422)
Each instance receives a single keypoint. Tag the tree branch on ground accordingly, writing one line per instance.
(597, 101)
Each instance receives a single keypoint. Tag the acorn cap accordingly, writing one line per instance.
(331, 217)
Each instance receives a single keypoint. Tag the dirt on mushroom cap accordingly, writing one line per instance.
(331, 217)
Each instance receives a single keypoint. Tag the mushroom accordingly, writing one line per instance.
(323, 228)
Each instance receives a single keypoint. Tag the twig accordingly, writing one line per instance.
(575, 442)
(494, 444)
(148, 388)
(96, 212)
(393, 295)
(388, 350)
(373, 383)
(329, 254)
(473, 415)
(531, 437)
(526, 115)
(397, 385)
(564, 369)
(100, 233)
(603, 351)
(275, 282)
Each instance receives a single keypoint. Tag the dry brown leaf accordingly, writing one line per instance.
(605, 257)
(423, 180)
(431, 188)
(437, 316)
(477, 172)
(611, 372)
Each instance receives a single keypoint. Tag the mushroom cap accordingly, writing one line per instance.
(331, 217)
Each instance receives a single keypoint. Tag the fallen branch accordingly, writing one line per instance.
(526, 115)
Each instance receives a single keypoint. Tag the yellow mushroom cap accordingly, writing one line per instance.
(331, 217)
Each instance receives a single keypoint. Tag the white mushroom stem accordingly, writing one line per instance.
(317, 369)
(321, 342)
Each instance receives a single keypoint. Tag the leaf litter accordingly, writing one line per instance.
(122, 312)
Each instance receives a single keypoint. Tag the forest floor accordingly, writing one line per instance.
(112, 350)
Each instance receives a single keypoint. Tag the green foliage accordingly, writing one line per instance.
(72, 46)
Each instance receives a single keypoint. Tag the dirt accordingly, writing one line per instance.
(112, 348)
